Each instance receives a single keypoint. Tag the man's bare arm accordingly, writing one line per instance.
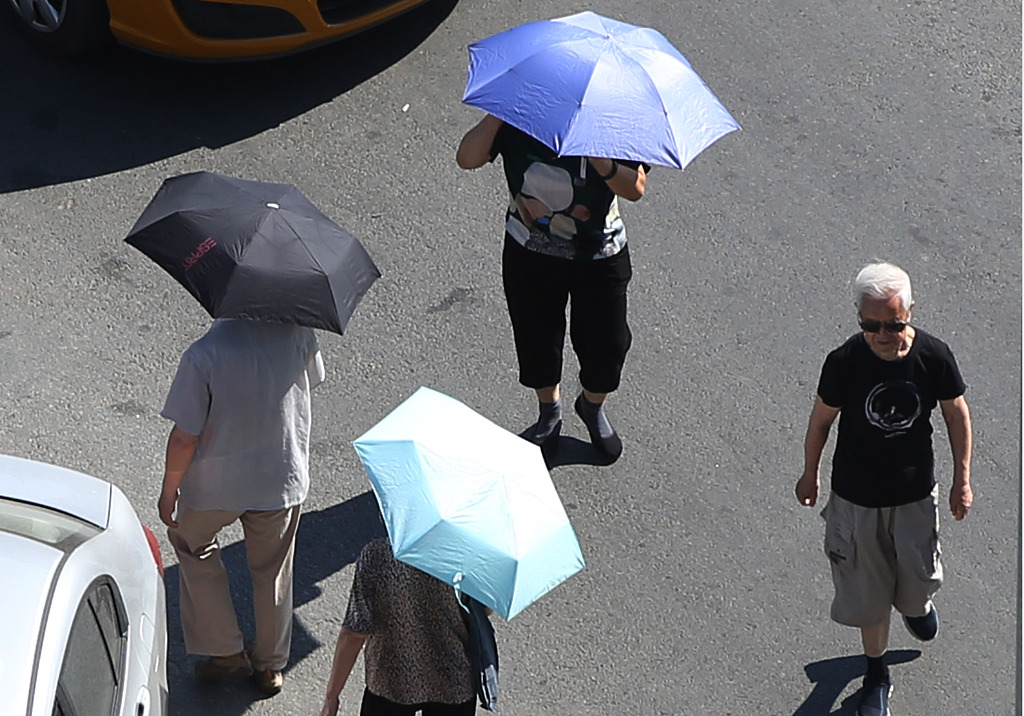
(818, 427)
(180, 448)
(958, 423)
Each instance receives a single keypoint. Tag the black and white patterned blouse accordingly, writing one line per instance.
(416, 650)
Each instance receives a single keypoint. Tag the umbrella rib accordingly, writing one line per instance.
(609, 47)
(531, 55)
(664, 111)
(625, 57)
(302, 241)
(260, 230)
(576, 115)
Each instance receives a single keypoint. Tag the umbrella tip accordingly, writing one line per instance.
(273, 205)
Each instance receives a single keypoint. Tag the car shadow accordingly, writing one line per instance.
(831, 677)
(327, 541)
(70, 119)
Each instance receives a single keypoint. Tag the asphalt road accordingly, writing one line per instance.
(888, 130)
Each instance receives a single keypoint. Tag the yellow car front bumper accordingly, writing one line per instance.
(204, 30)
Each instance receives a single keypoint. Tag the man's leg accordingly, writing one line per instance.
(207, 612)
(874, 700)
(876, 642)
(270, 548)
(916, 535)
(859, 548)
(876, 639)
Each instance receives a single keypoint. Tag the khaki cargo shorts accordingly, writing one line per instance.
(882, 557)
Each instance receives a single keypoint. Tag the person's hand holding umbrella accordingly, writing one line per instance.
(627, 182)
(475, 151)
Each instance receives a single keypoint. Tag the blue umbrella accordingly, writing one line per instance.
(469, 502)
(586, 85)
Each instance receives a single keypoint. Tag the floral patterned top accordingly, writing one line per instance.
(559, 206)
(416, 650)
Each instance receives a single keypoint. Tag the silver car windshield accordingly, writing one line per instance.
(44, 525)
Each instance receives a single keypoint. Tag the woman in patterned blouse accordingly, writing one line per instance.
(415, 638)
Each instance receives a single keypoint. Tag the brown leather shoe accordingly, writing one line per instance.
(269, 681)
(235, 666)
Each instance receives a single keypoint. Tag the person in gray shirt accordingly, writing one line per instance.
(239, 450)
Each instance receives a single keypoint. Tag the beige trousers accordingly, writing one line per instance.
(207, 612)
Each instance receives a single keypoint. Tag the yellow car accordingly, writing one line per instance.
(199, 29)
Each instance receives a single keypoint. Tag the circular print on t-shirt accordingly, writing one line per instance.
(893, 406)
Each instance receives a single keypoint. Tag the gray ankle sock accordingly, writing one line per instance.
(550, 415)
(593, 416)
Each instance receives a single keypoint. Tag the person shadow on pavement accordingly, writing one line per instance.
(831, 677)
(327, 541)
(570, 451)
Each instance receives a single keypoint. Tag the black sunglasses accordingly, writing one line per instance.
(873, 326)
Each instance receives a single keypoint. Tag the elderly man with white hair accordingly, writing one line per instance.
(881, 520)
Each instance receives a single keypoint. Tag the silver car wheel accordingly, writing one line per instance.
(41, 15)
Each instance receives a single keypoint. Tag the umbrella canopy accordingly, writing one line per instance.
(249, 249)
(586, 85)
(469, 502)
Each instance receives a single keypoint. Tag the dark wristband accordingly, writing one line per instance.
(609, 175)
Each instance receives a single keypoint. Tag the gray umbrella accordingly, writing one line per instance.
(249, 249)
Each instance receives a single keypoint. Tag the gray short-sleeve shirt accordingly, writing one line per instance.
(243, 388)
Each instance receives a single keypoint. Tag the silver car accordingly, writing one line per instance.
(83, 617)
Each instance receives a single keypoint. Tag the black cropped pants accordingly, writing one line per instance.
(374, 705)
(537, 289)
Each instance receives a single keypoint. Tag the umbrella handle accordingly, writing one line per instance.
(456, 585)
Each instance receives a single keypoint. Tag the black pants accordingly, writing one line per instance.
(537, 288)
(374, 705)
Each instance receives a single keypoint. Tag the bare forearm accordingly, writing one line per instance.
(475, 148)
(814, 447)
(624, 181)
(345, 653)
(818, 427)
(958, 424)
(181, 448)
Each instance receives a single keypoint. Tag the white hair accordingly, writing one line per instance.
(882, 280)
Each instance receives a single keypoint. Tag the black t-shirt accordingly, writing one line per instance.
(559, 205)
(884, 453)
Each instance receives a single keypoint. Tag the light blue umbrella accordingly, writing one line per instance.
(469, 502)
(586, 85)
